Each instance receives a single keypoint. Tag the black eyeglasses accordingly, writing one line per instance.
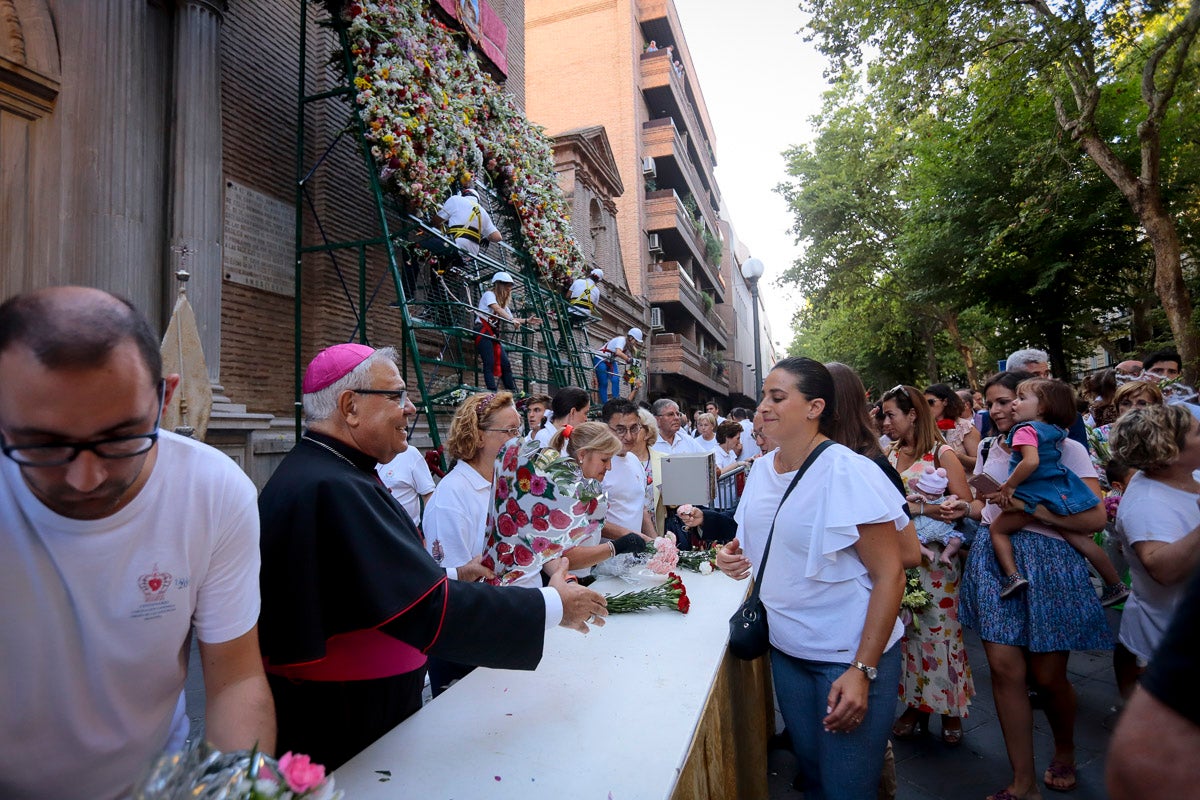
(510, 432)
(399, 398)
(622, 430)
(60, 453)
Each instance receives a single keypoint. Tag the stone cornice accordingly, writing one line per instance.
(30, 72)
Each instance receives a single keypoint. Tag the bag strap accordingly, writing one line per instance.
(822, 447)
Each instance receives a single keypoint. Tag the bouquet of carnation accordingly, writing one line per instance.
(665, 557)
(542, 506)
(204, 773)
(670, 594)
(915, 599)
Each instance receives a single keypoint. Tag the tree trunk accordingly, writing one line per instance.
(1145, 198)
(951, 322)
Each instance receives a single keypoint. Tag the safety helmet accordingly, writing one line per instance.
(502, 277)
(636, 334)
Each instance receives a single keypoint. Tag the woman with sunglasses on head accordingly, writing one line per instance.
(1028, 639)
(959, 432)
(831, 584)
(937, 677)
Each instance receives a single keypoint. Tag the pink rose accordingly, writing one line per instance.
(301, 774)
(540, 525)
(559, 520)
(540, 510)
(506, 526)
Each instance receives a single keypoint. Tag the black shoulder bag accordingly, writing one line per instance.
(748, 634)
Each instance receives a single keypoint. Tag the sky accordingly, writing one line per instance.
(762, 83)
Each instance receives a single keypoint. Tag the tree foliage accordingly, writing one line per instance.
(951, 183)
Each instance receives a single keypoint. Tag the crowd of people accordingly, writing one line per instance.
(321, 605)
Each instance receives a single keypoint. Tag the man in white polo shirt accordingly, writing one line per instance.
(625, 482)
(408, 478)
(117, 540)
(671, 440)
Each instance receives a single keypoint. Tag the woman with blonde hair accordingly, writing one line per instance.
(1158, 522)
(455, 519)
(550, 503)
(641, 448)
(493, 308)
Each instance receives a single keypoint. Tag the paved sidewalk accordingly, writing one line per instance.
(928, 770)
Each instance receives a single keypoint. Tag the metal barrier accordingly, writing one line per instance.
(728, 489)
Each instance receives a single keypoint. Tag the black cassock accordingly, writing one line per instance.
(341, 557)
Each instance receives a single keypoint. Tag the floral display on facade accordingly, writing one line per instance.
(435, 119)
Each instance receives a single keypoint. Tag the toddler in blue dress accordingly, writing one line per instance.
(1042, 412)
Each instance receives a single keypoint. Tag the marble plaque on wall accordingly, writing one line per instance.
(260, 240)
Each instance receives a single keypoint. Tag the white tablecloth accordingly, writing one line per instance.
(606, 715)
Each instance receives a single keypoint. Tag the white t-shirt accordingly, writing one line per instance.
(1151, 511)
(97, 617)
(455, 521)
(708, 445)
(682, 444)
(1074, 457)
(625, 485)
(816, 589)
(750, 447)
(408, 478)
(724, 458)
(585, 286)
(545, 434)
(613, 345)
(463, 211)
(485, 304)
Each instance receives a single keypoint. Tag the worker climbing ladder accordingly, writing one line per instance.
(418, 290)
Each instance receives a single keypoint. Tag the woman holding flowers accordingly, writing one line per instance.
(549, 503)
(831, 586)
(937, 677)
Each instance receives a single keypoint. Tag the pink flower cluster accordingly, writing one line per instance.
(666, 556)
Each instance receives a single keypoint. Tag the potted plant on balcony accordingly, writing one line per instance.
(716, 362)
(709, 301)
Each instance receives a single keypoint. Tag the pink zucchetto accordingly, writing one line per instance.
(332, 364)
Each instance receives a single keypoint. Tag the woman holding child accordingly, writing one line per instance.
(1028, 637)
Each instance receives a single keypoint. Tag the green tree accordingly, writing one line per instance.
(1073, 50)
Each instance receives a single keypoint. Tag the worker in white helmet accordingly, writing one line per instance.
(493, 309)
(617, 349)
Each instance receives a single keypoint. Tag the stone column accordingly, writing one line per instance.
(196, 223)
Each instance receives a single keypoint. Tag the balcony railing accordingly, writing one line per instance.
(668, 283)
(673, 354)
(661, 140)
(660, 81)
(666, 212)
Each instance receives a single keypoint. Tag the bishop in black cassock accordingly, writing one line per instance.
(351, 600)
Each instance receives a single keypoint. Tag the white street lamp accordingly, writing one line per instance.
(752, 270)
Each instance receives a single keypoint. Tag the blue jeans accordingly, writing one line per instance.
(608, 378)
(835, 766)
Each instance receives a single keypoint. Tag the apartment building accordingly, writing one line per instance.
(626, 66)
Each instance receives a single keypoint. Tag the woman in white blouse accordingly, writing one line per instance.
(455, 519)
(1158, 522)
(831, 586)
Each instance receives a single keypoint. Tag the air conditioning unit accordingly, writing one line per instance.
(648, 169)
(656, 323)
(655, 243)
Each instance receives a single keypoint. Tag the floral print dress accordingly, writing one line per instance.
(937, 677)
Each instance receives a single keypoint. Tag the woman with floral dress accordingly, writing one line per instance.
(937, 677)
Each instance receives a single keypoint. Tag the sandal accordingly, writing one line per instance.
(1063, 773)
(911, 724)
(952, 737)
(1005, 794)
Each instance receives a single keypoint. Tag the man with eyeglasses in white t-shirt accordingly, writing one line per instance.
(117, 540)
